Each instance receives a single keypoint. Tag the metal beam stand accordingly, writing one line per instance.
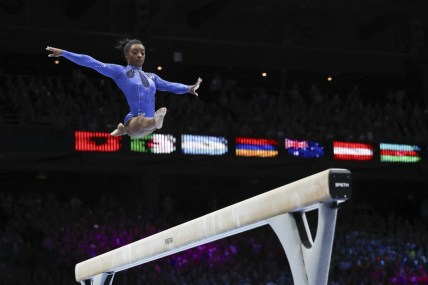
(309, 260)
(100, 279)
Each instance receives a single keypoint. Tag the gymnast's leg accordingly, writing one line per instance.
(136, 127)
(141, 126)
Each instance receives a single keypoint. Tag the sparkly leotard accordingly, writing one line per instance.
(138, 86)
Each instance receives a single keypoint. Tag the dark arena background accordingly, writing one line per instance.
(290, 88)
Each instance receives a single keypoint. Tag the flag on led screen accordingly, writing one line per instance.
(252, 147)
(305, 149)
(399, 153)
(96, 142)
(352, 151)
(203, 145)
(154, 143)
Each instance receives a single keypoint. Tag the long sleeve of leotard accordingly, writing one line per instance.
(106, 69)
(163, 85)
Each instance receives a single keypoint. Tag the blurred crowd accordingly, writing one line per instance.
(223, 107)
(44, 233)
(376, 249)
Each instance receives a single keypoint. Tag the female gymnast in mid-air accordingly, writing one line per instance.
(138, 86)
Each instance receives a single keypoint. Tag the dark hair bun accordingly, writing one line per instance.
(125, 44)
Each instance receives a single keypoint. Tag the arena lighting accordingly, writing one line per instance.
(56, 61)
(329, 78)
(159, 68)
(264, 74)
(253, 147)
(352, 151)
(96, 142)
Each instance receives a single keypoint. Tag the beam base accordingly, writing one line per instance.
(309, 260)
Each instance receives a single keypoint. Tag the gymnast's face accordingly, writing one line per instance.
(136, 55)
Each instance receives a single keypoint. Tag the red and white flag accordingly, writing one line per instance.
(352, 151)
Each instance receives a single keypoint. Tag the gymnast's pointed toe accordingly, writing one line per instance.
(120, 131)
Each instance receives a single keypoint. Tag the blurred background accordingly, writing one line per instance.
(308, 85)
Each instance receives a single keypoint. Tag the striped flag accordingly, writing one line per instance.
(252, 147)
(203, 145)
(352, 151)
(399, 153)
(304, 149)
(154, 143)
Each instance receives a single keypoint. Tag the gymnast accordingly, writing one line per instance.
(138, 86)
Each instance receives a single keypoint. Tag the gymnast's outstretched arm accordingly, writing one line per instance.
(176, 88)
(106, 69)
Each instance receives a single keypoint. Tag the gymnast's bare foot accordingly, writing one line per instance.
(120, 131)
(159, 116)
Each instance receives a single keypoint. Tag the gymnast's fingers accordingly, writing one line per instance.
(197, 83)
(51, 49)
(55, 52)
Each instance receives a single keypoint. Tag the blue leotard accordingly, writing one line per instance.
(138, 86)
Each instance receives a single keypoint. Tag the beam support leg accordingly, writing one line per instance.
(100, 279)
(309, 260)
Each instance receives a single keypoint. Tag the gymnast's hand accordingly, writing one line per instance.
(56, 52)
(193, 88)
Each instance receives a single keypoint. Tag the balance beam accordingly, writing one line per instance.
(282, 208)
